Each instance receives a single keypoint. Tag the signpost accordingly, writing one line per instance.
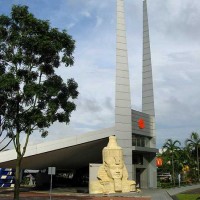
(51, 171)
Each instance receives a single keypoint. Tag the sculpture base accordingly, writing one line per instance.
(111, 176)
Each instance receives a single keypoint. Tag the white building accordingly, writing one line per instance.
(135, 131)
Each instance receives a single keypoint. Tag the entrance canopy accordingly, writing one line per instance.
(69, 153)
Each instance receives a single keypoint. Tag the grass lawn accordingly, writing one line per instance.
(188, 196)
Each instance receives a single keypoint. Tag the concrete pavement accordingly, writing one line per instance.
(166, 194)
(174, 191)
(71, 193)
(160, 194)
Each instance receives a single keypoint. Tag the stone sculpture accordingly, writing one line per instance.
(112, 175)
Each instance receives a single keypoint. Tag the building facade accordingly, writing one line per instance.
(135, 130)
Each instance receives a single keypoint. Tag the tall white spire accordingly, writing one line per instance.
(123, 125)
(147, 79)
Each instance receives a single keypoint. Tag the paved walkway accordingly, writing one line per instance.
(160, 194)
(63, 194)
(166, 194)
(174, 191)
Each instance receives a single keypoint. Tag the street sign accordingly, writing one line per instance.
(51, 170)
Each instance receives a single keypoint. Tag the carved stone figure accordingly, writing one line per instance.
(112, 174)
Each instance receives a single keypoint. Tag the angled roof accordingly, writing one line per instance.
(72, 152)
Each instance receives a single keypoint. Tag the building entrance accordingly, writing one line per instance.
(138, 179)
(140, 173)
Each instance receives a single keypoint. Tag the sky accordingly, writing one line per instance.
(175, 49)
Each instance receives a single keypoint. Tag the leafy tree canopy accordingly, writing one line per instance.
(32, 96)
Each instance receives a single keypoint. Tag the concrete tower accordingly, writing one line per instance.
(147, 80)
(148, 94)
(123, 125)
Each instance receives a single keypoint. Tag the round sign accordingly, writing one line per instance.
(141, 123)
(159, 162)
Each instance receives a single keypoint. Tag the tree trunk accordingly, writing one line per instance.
(17, 177)
(198, 162)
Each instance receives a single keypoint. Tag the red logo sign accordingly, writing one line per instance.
(141, 123)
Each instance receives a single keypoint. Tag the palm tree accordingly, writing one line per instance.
(171, 149)
(194, 143)
(186, 160)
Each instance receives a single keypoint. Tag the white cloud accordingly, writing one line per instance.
(86, 14)
(99, 21)
(71, 25)
(175, 47)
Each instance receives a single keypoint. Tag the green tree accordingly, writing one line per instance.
(186, 160)
(186, 155)
(4, 143)
(194, 143)
(32, 95)
(171, 150)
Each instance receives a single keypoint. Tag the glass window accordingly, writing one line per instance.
(134, 142)
(139, 141)
(143, 142)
